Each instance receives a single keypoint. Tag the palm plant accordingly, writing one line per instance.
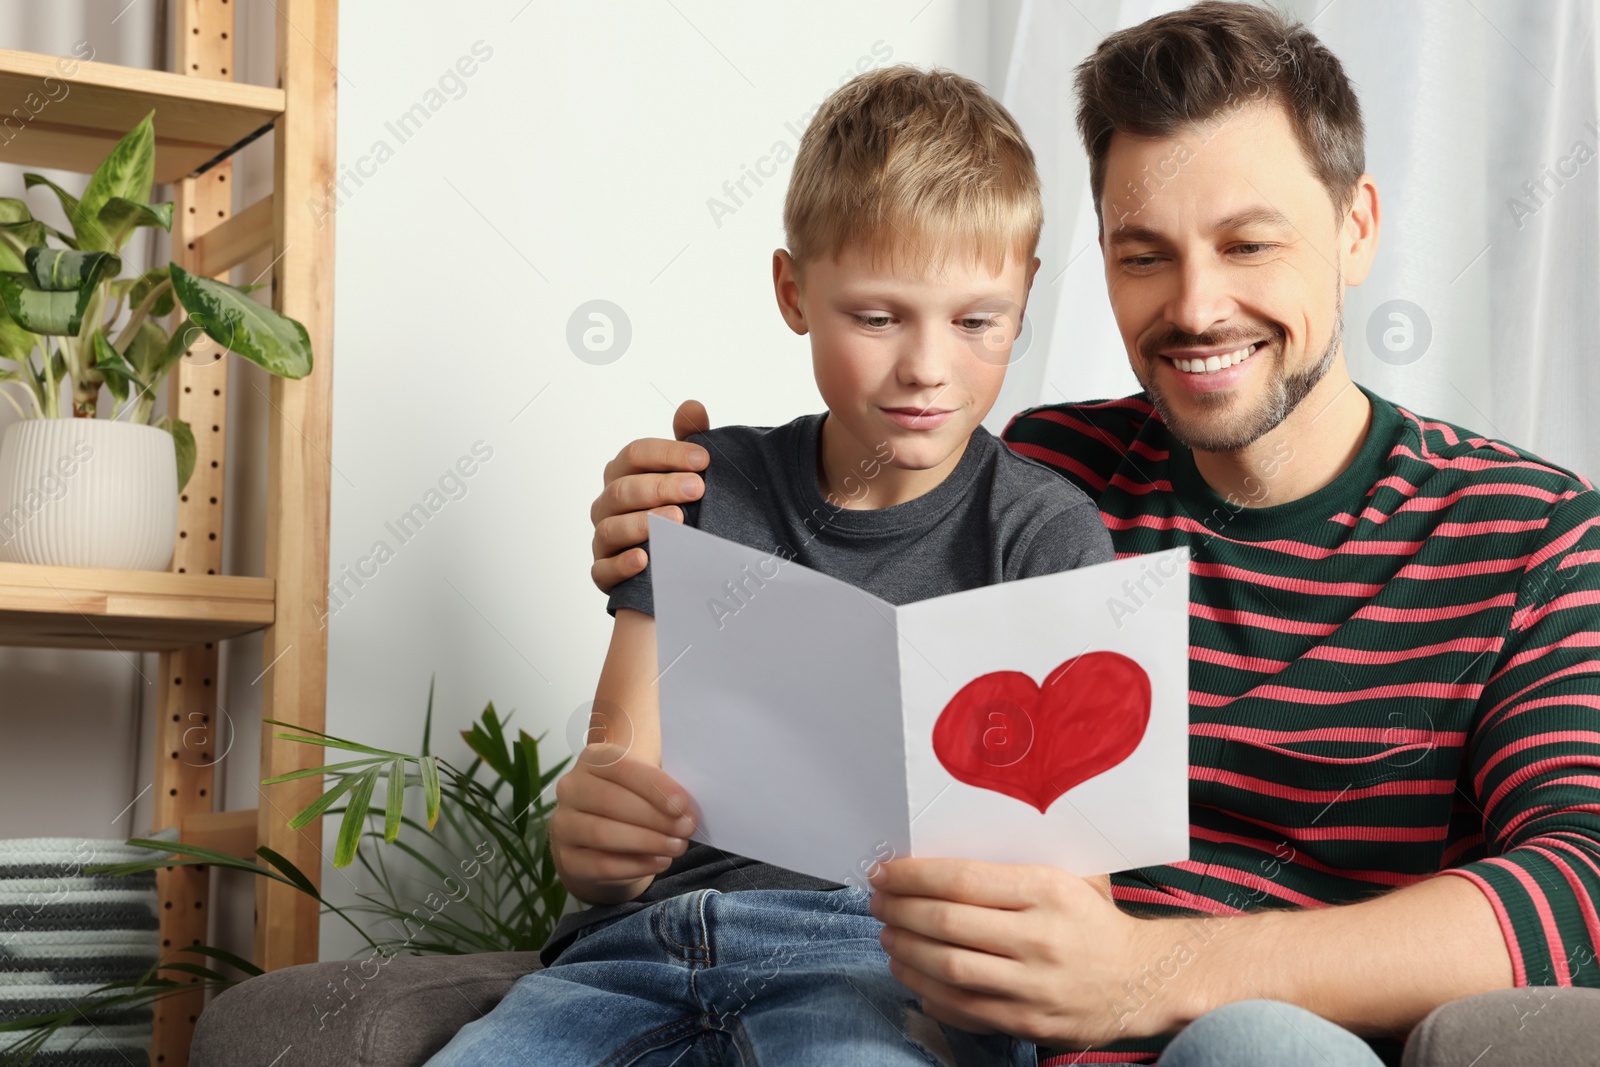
(508, 813)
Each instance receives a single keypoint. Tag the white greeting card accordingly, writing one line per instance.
(822, 729)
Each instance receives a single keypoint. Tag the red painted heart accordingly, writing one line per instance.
(1003, 732)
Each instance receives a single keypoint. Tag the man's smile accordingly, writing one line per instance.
(1211, 370)
(1211, 360)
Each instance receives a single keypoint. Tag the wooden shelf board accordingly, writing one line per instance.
(74, 119)
(144, 611)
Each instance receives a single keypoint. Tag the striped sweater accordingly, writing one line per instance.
(1395, 676)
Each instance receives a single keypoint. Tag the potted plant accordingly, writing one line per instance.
(103, 492)
(481, 876)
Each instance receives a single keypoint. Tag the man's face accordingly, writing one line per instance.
(1223, 265)
(907, 353)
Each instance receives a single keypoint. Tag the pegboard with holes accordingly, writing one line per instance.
(187, 747)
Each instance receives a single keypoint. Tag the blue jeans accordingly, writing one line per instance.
(769, 977)
(1264, 1033)
(788, 977)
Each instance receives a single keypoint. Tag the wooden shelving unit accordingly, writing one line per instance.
(135, 611)
(201, 117)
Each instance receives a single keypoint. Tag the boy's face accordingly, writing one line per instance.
(903, 356)
(1225, 245)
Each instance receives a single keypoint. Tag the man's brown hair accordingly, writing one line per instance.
(921, 163)
(1200, 64)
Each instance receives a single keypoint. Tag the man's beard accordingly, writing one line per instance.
(1283, 394)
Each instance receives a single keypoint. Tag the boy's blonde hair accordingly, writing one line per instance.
(914, 164)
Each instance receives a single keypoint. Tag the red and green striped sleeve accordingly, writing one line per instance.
(1534, 761)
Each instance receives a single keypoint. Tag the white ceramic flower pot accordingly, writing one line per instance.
(88, 493)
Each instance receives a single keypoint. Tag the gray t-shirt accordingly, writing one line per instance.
(997, 517)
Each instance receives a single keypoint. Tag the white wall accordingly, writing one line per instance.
(575, 163)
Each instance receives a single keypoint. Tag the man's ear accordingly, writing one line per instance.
(1358, 235)
(786, 287)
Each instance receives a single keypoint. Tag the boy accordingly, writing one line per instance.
(912, 217)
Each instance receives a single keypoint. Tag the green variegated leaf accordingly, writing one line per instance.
(53, 294)
(185, 337)
(15, 240)
(146, 351)
(59, 270)
(118, 374)
(15, 342)
(121, 216)
(19, 231)
(69, 207)
(127, 172)
(59, 314)
(183, 445)
(69, 203)
(256, 332)
(138, 289)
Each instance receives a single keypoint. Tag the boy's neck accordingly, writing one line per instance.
(855, 476)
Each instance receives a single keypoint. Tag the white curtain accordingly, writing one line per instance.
(1483, 131)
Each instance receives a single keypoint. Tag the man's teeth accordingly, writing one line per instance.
(1212, 364)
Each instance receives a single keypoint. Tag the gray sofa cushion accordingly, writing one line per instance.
(1539, 1026)
(396, 1014)
(334, 1013)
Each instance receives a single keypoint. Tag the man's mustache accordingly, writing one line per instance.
(1153, 349)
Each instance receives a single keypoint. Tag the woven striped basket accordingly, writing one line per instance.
(64, 933)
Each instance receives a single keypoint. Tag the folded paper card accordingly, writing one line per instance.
(822, 729)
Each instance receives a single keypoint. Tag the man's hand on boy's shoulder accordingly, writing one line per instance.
(647, 477)
(1027, 950)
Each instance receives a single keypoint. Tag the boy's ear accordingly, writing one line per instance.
(786, 287)
(1027, 288)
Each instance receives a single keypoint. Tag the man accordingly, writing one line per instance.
(1395, 697)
